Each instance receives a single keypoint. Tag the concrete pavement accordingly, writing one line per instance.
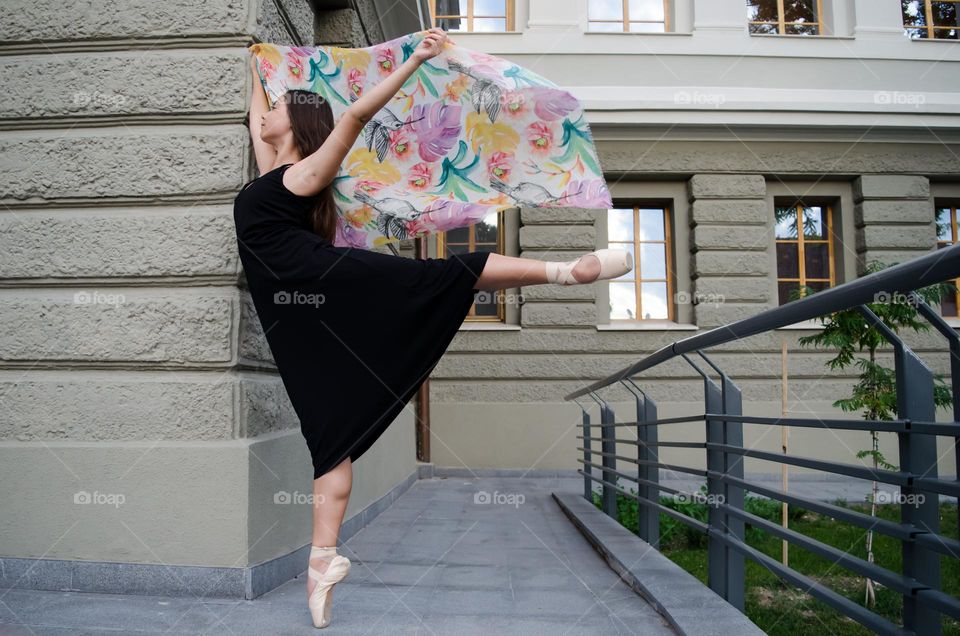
(452, 555)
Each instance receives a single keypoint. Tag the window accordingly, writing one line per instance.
(484, 235)
(785, 17)
(947, 236)
(804, 258)
(472, 15)
(646, 292)
(627, 15)
(930, 19)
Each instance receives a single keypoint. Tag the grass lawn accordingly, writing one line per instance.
(778, 608)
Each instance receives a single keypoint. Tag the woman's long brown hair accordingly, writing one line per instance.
(311, 120)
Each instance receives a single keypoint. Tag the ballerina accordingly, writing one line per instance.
(324, 309)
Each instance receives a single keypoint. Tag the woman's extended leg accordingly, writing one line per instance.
(502, 272)
(331, 492)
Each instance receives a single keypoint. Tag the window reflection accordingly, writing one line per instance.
(946, 236)
(805, 259)
(785, 17)
(644, 293)
(473, 15)
(931, 19)
(484, 235)
(628, 15)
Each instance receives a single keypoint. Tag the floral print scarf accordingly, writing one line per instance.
(467, 135)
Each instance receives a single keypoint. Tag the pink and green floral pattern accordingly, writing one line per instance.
(467, 134)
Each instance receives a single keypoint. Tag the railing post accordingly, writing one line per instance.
(954, 342)
(587, 482)
(587, 468)
(718, 554)
(648, 518)
(608, 496)
(609, 446)
(733, 466)
(732, 495)
(918, 455)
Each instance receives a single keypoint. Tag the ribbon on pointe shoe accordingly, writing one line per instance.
(613, 263)
(561, 273)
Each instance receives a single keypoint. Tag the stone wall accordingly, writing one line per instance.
(132, 363)
(498, 396)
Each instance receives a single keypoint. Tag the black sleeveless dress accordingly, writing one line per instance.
(354, 333)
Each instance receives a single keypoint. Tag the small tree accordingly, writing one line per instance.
(875, 393)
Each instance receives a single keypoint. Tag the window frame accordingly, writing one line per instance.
(670, 271)
(782, 23)
(500, 294)
(509, 23)
(953, 208)
(626, 21)
(801, 280)
(929, 27)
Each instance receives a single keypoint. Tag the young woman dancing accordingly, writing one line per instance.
(353, 332)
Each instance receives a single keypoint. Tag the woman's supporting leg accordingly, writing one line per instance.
(502, 272)
(331, 492)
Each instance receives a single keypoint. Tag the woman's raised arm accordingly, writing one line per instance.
(314, 172)
(265, 153)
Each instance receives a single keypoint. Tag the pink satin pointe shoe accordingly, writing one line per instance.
(613, 263)
(320, 600)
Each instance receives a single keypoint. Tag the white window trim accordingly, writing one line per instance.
(646, 325)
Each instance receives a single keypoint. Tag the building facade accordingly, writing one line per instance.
(139, 400)
(143, 427)
(722, 126)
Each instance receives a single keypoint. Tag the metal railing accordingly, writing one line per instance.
(918, 529)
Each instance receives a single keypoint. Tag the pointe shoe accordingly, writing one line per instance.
(320, 601)
(613, 263)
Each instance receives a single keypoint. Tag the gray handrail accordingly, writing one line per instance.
(918, 582)
(936, 267)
